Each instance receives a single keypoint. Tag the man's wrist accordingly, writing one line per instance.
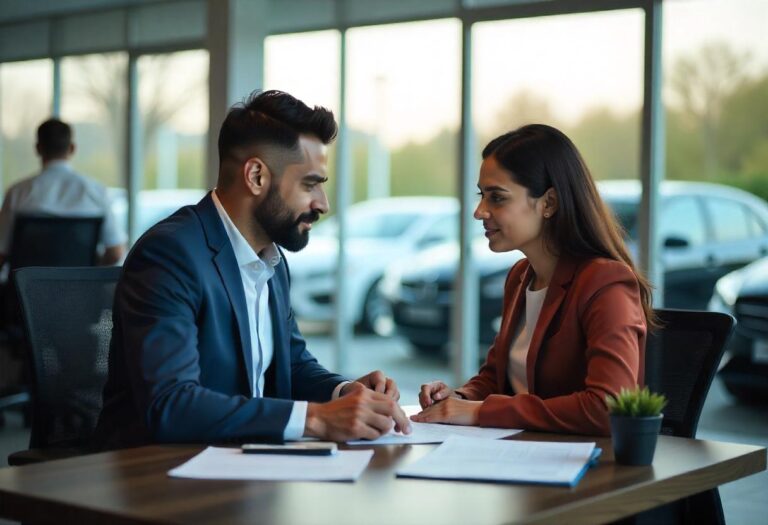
(313, 424)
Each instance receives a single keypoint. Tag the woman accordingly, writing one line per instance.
(575, 309)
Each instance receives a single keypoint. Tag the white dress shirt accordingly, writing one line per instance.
(255, 271)
(518, 352)
(60, 190)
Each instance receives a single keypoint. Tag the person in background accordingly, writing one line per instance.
(205, 346)
(60, 191)
(576, 310)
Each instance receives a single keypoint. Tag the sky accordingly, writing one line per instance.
(403, 80)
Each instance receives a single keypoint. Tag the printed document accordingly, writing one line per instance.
(231, 463)
(468, 458)
(433, 432)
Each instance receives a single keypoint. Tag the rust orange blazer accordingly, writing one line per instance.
(589, 341)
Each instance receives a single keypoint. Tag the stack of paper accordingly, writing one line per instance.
(477, 459)
(231, 463)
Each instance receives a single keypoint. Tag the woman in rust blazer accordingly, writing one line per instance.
(575, 309)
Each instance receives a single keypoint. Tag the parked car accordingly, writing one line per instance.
(379, 231)
(420, 290)
(744, 294)
(707, 230)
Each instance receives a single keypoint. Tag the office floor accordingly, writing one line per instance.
(744, 501)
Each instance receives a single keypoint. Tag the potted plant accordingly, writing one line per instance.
(635, 424)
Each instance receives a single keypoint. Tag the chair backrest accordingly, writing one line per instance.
(67, 316)
(681, 359)
(45, 240)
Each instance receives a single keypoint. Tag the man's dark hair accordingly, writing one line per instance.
(271, 118)
(54, 138)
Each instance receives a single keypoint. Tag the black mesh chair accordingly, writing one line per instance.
(41, 240)
(68, 322)
(681, 359)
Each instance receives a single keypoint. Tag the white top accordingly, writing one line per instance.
(518, 351)
(59, 190)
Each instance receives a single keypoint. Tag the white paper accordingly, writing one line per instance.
(433, 432)
(231, 463)
(510, 461)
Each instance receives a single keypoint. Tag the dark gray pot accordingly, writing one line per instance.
(634, 438)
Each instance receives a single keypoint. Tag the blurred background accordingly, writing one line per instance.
(668, 97)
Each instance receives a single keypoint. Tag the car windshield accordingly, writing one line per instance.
(378, 225)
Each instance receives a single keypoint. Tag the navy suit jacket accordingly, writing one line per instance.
(180, 365)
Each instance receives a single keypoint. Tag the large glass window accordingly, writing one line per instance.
(93, 98)
(26, 93)
(173, 115)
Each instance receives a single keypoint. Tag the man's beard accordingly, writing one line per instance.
(275, 218)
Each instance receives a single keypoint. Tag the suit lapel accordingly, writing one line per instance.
(555, 294)
(229, 272)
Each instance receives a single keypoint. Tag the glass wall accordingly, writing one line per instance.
(26, 95)
(93, 97)
(173, 115)
(716, 101)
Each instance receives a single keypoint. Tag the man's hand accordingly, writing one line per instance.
(435, 391)
(375, 381)
(359, 414)
(452, 410)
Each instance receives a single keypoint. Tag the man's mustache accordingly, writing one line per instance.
(308, 217)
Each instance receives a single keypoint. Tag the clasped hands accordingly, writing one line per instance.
(367, 409)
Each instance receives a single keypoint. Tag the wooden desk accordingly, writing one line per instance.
(131, 486)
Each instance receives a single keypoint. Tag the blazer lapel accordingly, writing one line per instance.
(554, 298)
(508, 328)
(229, 272)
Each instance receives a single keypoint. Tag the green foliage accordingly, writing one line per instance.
(638, 402)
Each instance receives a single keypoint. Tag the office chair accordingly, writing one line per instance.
(681, 359)
(41, 240)
(67, 315)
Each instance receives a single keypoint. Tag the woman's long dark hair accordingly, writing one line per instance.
(540, 157)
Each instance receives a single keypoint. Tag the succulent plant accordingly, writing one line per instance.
(637, 402)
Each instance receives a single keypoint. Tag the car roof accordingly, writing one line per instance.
(629, 190)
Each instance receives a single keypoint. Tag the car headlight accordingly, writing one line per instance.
(728, 288)
(493, 287)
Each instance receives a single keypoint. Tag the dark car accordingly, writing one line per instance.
(744, 294)
(707, 230)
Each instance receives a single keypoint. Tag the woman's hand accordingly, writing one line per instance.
(433, 392)
(452, 410)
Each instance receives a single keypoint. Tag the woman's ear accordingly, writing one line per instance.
(256, 175)
(550, 203)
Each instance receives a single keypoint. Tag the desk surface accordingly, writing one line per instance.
(131, 486)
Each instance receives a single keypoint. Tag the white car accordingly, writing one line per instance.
(379, 231)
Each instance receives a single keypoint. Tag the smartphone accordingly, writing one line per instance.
(303, 448)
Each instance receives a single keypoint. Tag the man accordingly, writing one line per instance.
(205, 347)
(60, 190)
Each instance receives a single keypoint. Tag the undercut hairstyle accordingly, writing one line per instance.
(540, 157)
(54, 138)
(271, 121)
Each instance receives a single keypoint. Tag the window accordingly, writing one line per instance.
(93, 101)
(682, 219)
(729, 220)
(26, 92)
(558, 70)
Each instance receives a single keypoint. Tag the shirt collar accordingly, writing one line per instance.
(244, 253)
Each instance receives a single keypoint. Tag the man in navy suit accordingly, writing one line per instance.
(205, 347)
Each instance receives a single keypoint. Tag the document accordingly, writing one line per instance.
(478, 459)
(433, 432)
(231, 463)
